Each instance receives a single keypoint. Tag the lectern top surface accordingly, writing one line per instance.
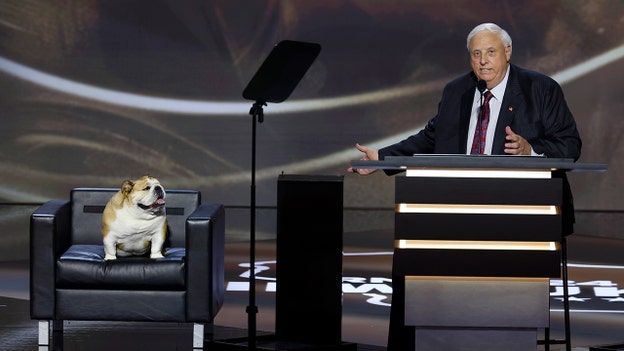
(479, 161)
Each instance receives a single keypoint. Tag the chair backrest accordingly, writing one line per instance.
(88, 205)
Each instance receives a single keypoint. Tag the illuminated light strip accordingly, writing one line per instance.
(472, 278)
(382, 253)
(477, 209)
(117, 97)
(576, 265)
(202, 107)
(478, 173)
(478, 245)
(597, 266)
(575, 72)
(220, 108)
(588, 311)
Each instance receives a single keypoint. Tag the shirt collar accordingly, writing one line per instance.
(499, 90)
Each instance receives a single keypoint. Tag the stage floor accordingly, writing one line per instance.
(596, 270)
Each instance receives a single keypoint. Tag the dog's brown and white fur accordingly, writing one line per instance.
(134, 221)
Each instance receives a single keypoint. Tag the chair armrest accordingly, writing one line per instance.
(49, 238)
(205, 246)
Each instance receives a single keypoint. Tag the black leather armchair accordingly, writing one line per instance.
(70, 280)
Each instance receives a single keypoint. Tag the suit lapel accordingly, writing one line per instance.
(464, 121)
(512, 101)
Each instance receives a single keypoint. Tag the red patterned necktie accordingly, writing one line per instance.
(478, 143)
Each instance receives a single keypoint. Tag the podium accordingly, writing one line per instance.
(477, 240)
(308, 300)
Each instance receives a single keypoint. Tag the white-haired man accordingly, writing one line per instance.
(527, 115)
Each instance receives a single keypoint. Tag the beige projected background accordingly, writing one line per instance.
(94, 92)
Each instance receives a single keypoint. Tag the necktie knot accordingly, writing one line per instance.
(488, 95)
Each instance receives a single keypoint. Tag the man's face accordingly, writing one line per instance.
(489, 57)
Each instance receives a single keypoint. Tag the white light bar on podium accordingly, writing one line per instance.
(478, 209)
(479, 173)
(478, 245)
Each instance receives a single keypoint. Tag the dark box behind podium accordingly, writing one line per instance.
(308, 302)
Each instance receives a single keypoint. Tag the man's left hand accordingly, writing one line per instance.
(516, 145)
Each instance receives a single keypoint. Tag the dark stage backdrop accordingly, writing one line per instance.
(94, 92)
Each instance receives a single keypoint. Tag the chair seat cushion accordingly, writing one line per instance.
(84, 267)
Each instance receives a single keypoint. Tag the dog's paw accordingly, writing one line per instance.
(110, 257)
(157, 255)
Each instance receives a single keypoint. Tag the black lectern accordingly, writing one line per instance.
(308, 300)
(476, 243)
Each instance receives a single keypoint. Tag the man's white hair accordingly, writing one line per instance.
(494, 28)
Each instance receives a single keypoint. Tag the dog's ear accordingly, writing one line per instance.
(126, 187)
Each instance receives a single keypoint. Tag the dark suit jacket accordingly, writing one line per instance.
(533, 106)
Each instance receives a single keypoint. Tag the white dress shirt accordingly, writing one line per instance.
(495, 106)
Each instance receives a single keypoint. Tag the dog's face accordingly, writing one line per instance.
(146, 193)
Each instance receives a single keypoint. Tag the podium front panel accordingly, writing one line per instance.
(488, 191)
(476, 302)
(477, 263)
(478, 209)
(475, 249)
(502, 227)
(448, 339)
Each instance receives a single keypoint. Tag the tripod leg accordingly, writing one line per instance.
(547, 339)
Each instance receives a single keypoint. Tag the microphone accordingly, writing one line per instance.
(481, 86)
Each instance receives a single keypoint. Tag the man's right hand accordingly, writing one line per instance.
(369, 154)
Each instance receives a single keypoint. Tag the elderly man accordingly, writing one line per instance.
(525, 113)
(528, 114)
(498, 109)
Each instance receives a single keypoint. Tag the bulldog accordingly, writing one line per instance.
(134, 220)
